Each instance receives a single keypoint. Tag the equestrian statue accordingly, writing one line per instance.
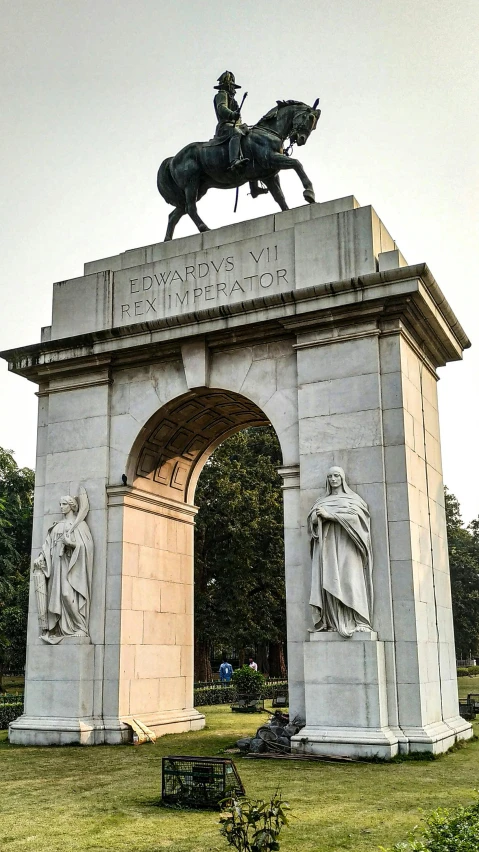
(237, 154)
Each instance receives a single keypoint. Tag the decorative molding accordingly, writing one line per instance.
(410, 291)
(145, 501)
(337, 338)
(290, 474)
(75, 385)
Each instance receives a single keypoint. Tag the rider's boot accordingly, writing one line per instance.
(236, 157)
(255, 189)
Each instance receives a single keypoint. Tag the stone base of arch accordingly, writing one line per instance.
(38, 731)
(366, 743)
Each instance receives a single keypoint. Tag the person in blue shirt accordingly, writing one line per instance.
(226, 670)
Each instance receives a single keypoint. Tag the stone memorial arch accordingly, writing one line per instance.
(312, 321)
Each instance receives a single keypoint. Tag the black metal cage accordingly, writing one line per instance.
(247, 703)
(473, 699)
(199, 782)
(280, 696)
(467, 708)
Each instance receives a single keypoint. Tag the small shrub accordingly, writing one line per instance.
(219, 693)
(246, 680)
(447, 830)
(467, 671)
(254, 826)
(9, 712)
(208, 695)
(270, 687)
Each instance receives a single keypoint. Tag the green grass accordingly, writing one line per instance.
(467, 685)
(106, 798)
(13, 683)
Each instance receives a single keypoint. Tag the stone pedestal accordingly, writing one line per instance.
(346, 698)
(59, 694)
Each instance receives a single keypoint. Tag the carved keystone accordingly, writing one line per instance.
(195, 356)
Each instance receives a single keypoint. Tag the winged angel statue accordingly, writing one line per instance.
(62, 573)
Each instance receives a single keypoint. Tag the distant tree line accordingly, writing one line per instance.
(239, 558)
(463, 545)
(16, 517)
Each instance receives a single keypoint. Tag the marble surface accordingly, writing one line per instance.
(339, 354)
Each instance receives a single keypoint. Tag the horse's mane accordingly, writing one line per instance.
(279, 104)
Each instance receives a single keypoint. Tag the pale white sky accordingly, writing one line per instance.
(95, 93)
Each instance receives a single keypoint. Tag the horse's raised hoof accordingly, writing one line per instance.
(309, 196)
(203, 228)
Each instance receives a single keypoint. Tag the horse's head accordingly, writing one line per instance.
(292, 119)
(304, 122)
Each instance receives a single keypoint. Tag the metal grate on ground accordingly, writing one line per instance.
(199, 782)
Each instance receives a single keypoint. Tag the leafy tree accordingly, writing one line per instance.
(248, 680)
(239, 551)
(463, 545)
(16, 514)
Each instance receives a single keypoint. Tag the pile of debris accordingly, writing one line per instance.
(273, 736)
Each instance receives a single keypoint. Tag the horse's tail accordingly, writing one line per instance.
(167, 187)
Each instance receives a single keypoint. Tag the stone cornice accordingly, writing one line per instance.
(290, 474)
(409, 292)
(146, 501)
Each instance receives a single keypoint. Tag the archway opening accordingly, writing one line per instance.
(239, 602)
(157, 640)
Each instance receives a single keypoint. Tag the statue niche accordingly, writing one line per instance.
(62, 573)
(339, 527)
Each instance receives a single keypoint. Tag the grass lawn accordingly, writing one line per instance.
(467, 685)
(13, 683)
(106, 798)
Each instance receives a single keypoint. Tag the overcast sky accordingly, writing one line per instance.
(95, 93)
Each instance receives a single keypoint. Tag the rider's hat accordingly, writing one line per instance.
(226, 78)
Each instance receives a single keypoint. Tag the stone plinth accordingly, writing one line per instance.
(312, 321)
(58, 694)
(346, 698)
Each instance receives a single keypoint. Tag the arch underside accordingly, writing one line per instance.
(176, 442)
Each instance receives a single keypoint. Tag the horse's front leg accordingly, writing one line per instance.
(281, 161)
(274, 188)
(191, 192)
(173, 220)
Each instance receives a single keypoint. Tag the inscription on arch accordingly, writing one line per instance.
(209, 278)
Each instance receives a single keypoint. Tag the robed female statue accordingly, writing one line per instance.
(62, 573)
(341, 585)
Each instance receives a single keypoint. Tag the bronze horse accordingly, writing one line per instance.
(200, 166)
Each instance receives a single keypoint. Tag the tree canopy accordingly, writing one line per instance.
(239, 548)
(463, 545)
(16, 515)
